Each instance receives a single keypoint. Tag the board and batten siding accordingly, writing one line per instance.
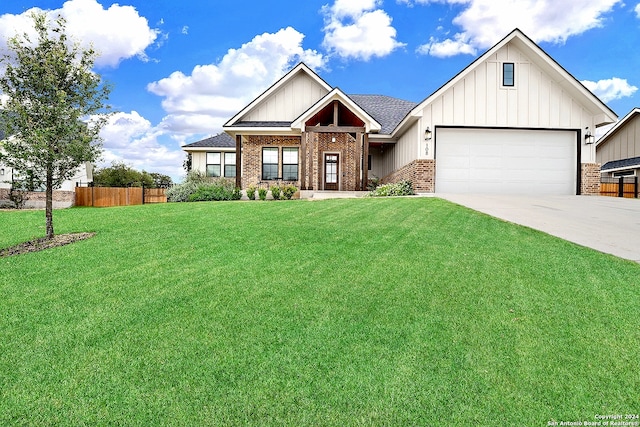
(289, 101)
(199, 161)
(624, 144)
(403, 152)
(536, 100)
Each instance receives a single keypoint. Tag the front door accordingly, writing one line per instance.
(331, 171)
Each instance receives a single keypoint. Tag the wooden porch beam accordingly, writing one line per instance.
(335, 129)
(303, 162)
(239, 161)
(365, 167)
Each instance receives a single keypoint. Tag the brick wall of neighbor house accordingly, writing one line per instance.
(420, 172)
(252, 158)
(345, 146)
(590, 179)
(37, 199)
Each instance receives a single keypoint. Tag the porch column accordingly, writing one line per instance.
(365, 156)
(357, 185)
(239, 161)
(303, 161)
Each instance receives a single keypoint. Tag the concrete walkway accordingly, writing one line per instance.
(607, 224)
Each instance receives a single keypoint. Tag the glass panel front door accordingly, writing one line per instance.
(331, 171)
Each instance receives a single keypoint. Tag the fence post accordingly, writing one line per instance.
(143, 193)
(621, 186)
(635, 187)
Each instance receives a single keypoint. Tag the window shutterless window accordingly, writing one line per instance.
(290, 164)
(229, 165)
(269, 163)
(213, 164)
(508, 74)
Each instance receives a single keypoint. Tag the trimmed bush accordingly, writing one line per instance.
(402, 188)
(275, 192)
(251, 192)
(262, 194)
(288, 191)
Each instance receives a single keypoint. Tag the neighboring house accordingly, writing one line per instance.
(618, 151)
(83, 175)
(513, 121)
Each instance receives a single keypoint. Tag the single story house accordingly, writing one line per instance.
(513, 121)
(63, 197)
(618, 151)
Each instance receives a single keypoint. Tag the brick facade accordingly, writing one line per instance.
(349, 163)
(37, 199)
(252, 158)
(420, 172)
(590, 178)
(316, 145)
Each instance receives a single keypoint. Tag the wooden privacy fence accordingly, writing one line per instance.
(113, 196)
(619, 187)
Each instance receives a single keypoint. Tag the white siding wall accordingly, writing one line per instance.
(289, 101)
(624, 144)
(479, 99)
(199, 161)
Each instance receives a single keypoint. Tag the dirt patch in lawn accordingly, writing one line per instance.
(44, 243)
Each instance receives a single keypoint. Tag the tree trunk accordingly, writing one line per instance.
(49, 204)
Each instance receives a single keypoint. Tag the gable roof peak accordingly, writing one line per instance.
(301, 67)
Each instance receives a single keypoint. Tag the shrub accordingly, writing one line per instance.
(373, 183)
(275, 192)
(251, 192)
(18, 195)
(262, 193)
(181, 192)
(289, 191)
(198, 187)
(402, 188)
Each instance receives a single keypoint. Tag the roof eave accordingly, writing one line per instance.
(631, 114)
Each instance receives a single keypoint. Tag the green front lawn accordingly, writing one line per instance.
(340, 312)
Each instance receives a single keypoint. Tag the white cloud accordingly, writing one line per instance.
(185, 30)
(610, 89)
(116, 33)
(130, 138)
(356, 29)
(203, 101)
(485, 22)
(448, 47)
(637, 9)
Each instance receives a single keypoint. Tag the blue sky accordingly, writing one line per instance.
(180, 69)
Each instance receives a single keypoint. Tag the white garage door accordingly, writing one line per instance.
(505, 161)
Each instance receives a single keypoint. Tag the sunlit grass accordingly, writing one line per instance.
(341, 312)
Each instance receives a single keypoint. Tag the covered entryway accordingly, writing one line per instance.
(506, 161)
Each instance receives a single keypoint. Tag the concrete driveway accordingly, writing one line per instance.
(607, 224)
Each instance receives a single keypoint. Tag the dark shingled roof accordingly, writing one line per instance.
(617, 164)
(220, 140)
(387, 111)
